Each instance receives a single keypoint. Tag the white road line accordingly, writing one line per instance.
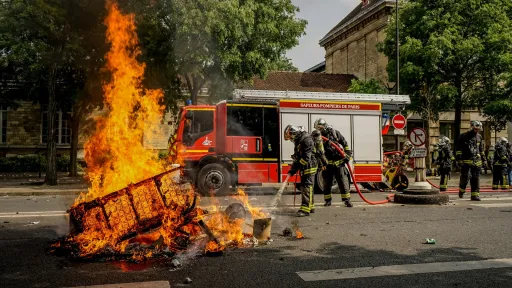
(394, 270)
(32, 215)
(32, 212)
(152, 284)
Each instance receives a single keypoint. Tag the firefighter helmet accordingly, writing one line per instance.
(407, 145)
(290, 132)
(503, 140)
(476, 125)
(320, 124)
(443, 140)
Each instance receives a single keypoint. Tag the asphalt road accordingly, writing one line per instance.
(336, 238)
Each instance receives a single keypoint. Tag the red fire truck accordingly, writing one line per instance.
(240, 141)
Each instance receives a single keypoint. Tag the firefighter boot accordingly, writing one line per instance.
(461, 193)
(328, 202)
(302, 214)
(347, 202)
(475, 198)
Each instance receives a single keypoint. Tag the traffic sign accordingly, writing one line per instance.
(418, 136)
(399, 132)
(399, 121)
(418, 152)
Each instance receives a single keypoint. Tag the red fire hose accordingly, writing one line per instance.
(354, 178)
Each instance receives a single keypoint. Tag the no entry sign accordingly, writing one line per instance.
(399, 121)
(418, 136)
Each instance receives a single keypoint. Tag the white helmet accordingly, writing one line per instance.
(443, 140)
(476, 125)
(320, 124)
(502, 140)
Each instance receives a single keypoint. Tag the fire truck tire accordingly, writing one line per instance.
(213, 178)
(320, 184)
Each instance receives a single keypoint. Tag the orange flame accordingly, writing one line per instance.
(116, 157)
(115, 154)
(299, 234)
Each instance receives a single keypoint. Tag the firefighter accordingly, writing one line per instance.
(336, 163)
(304, 160)
(470, 156)
(444, 161)
(500, 165)
(406, 151)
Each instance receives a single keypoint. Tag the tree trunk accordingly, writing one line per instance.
(458, 112)
(75, 127)
(51, 149)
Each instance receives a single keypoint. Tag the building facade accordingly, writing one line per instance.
(351, 48)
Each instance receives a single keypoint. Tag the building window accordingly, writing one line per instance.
(62, 128)
(3, 124)
(447, 129)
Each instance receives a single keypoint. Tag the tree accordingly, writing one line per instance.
(227, 40)
(372, 86)
(43, 43)
(450, 52)
(499, 113)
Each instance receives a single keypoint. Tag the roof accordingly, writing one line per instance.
(299, 81)
(320, 67)
(353, 16)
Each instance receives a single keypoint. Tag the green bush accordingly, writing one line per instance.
(21, 164)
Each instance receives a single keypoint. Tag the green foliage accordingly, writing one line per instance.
(283, 64)
(205, 42)
(498, 113)
(452, 53)
(31, 164)
(372, 86)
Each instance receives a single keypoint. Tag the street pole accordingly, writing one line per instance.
(397, 54)
(397, 68)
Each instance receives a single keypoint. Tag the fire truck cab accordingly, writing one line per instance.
(241, 142)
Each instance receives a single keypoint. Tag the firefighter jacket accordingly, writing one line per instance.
(501, 156)
(445, 158)
(319, 148)
(469, 148)
(334, 157)
(304, 155)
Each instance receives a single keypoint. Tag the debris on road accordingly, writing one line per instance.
(175, 263)
(188, 280)
(430, 241)
(32, 223)
(287, 232)
(469, 209)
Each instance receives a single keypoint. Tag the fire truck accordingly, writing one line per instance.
(241, 142)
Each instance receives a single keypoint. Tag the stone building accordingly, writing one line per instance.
(351, 48)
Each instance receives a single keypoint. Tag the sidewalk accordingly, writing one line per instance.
(30, 185)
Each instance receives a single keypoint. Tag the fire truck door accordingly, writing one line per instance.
(198, 132)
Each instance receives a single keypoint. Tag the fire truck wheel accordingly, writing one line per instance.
(213, 178)
(320, 184)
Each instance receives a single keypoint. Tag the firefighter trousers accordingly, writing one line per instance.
(341, 175)
(475, 179)
(500, 177)
(307, 182)
(445, 175)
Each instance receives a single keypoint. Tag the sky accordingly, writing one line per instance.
(322, 16)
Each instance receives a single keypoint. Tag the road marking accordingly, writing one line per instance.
(152, 284)
(394, 270)
(33, 214)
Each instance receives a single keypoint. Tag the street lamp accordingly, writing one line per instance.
(397, 54)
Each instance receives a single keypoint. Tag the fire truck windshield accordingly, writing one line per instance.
(198, 123)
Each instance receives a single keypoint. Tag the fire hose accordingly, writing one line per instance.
(351, 172)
